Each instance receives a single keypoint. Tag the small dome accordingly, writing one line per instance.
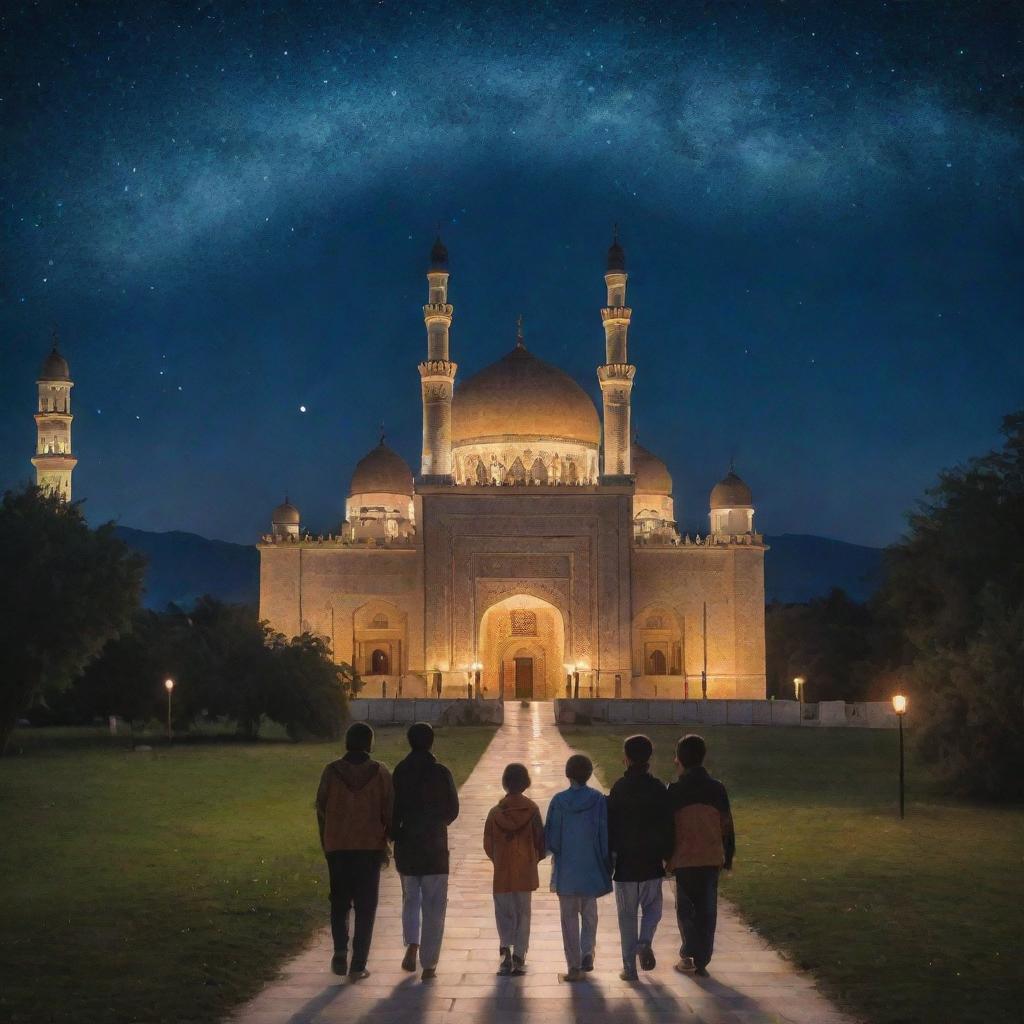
(55, 367)
(286, 514)
(438, 255)
(652, 475)
(381, 471)
(731, 492)
(521, 395)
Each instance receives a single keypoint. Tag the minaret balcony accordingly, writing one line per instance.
(438, 311)
(616, 372)
(438, 369)
(613, 313)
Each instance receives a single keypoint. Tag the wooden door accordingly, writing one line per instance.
(524, 678)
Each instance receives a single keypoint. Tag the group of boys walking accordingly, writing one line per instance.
(636, 835)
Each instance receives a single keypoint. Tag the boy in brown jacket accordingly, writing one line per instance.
(353, 809)
(514, 841)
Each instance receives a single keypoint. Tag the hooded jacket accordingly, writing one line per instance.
(576, 832)
(426, 803)
(703, 822)
(353, 804)
(514, 841)
(641, 831)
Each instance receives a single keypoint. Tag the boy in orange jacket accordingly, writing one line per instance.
(514, 841)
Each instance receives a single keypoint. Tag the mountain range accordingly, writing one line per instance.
(184, 566)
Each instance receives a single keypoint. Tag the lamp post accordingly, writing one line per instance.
(576, 680)
(169, 687)
(568, 681)
(477, 670)
(899, 705)
(798, 687)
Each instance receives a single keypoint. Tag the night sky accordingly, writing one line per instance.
(227, 210)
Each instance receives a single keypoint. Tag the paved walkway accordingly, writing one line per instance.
(749, 983)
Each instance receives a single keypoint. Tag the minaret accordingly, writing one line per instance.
(616, 376)
(53, 459)
(437, 374)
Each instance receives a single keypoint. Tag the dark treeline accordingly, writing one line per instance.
(947, 627)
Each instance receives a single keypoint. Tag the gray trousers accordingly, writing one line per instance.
(632, 898)
(579, 927)
(512, 916)
(424, 904)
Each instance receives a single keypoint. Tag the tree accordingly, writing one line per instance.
(65, 590)
(956, 584)
(845, 650)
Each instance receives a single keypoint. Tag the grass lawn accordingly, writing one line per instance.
(906, 922)
(163, 886)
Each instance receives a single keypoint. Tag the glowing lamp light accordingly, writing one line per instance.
(168, 685)
(899, 704)
(798, 685)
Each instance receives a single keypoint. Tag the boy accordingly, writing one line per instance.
(640, 838)
(426, 803)
(353, 810)
(576, 831)
(514, 842)
(704, 843)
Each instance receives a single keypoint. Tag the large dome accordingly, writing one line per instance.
(285, 514)
(652, 475)
(382, 471)
(731, 492)
(523, 396)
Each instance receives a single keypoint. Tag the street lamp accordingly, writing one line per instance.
(169, 687)
(477, 669)
(899, 705)
(568, 680)
(576, 679)
(798, 687)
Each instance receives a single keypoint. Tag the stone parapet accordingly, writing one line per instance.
(865, 715)
(406, 710)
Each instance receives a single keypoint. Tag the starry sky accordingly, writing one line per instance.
(226, 211)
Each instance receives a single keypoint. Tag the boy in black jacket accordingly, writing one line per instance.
(640, 837)
(426, 803)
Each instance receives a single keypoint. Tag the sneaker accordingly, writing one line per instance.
(685, 965)
(588, 962)
(505, 967)
(627, 975)
(573, 974)
(429, 974)
(409, 960)
(518, 966)
(702, 972)
(339, 963)
(646, 956)
(358, 973)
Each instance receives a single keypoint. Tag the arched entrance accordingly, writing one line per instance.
(522, 648)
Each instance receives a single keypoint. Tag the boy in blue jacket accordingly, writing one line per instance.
(576, 832)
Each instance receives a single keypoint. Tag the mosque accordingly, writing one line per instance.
(536, 551)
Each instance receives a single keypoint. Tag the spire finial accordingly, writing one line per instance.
(438, 253)
(732, 463)
(616, 254)
(382, 434)
(519, 331)
(56, 338)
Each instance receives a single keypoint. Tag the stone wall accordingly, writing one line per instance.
(436, 712)
(868, 715)
(730, 578)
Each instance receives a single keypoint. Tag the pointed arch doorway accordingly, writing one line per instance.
(522, 648)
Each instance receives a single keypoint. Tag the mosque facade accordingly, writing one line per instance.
(537, 548)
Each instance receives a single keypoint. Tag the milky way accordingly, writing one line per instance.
(227, 211)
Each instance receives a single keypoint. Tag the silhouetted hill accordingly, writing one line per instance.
(800, 567)
(184, 566)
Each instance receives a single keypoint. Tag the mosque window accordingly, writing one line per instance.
(379, 621)
(524, 623)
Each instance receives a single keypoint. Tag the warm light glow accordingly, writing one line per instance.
(581, 666)
(569, 668)
(798, 683)
(169, 684)
(899, 704)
